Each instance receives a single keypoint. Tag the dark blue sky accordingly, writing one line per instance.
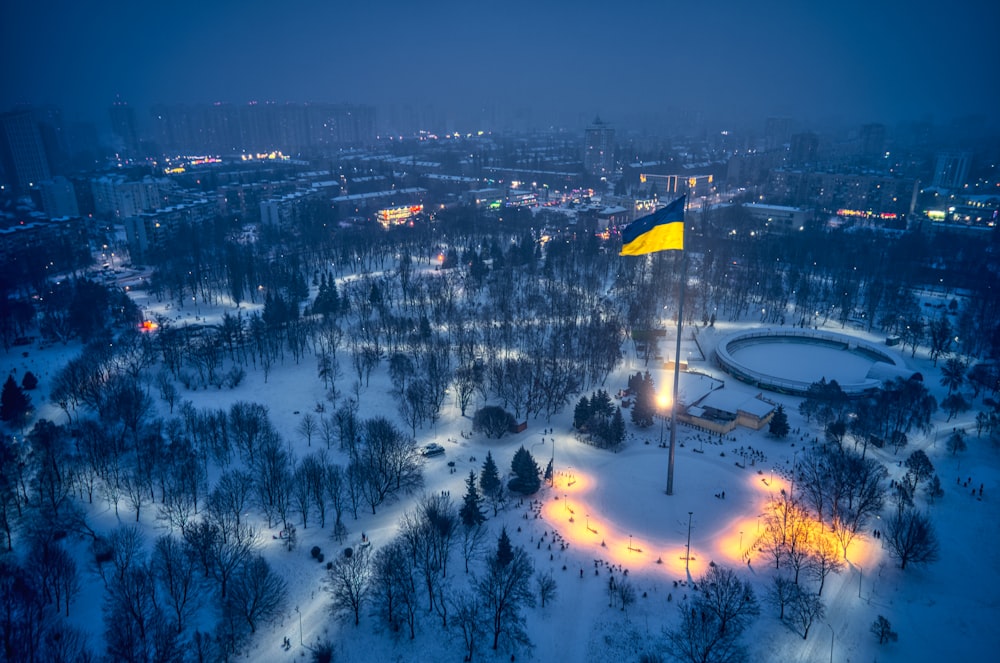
(735, 61)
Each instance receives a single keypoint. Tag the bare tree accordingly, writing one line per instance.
(257, 593)
(307, 428)
(174, 568)
(349, 582)
(910, 537)
(699, 637)
(806, 608)
(731, 600)
(504, 590)
(546, 586)
(393, 589)
(311, 471)
(780, 593)
(625, 593)
(824, 559)
(468, 618)
(882, 629)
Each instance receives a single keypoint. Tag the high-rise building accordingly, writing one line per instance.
(951, 170)
(58, 197)
(777, 131)
(22, 151)
(803, 149)
(261, 127)
(599, 148)
(873, 140)
(124, 129)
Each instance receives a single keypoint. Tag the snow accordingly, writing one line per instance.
(611, 508)
(806, 363)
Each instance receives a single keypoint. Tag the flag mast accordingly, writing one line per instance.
(677, 375)
(663, 230)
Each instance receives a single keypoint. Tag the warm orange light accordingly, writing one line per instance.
(578, 518)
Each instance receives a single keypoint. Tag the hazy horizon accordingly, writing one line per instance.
(559, 64)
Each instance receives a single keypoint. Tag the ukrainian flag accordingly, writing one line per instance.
(663, 230)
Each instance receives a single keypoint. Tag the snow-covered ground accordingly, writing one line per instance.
(608, 512)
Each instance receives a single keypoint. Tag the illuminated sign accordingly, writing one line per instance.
(394, 216)
(863, 214)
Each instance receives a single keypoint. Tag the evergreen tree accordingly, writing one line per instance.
(14, 403)
(471, 512)
(505, 551)
(525, 472)
(489, 482)
(581, 413)
(779, 423)
(29, 381)
(601, 404)
(617, 433)
(644, 399)
(549, 472)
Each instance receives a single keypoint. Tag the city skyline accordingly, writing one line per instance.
(562, 64)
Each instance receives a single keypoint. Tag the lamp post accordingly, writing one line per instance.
(791, 488)
(861, 574)
(587, 517)
(300, 624)
(741, 541)
(687, 557)
(663, 400)
(831, 641)
(630, 542)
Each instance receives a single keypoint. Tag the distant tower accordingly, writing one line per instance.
(803, 149)
(951, 170)
(873, 140)
(777, 131)
(123, 128)
(22, 150)
(598, 149)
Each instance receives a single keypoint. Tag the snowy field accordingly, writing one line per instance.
(805, 362)
(608, 513)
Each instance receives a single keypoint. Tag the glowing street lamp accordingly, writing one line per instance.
(663, 402)
(687, 557)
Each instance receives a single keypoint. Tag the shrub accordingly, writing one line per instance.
(492, 421)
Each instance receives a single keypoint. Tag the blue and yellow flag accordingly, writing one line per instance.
(663, 230)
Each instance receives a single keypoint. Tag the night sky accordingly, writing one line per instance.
(731, 61)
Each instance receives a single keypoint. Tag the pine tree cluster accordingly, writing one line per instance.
(600, 420)
(643, 393)
(327, 302)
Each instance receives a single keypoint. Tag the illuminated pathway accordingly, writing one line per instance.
(612, 507)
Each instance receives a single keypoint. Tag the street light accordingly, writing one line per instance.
(663, 401)
(791, 488)
(300, 624)
(741, 541)
(831, 641)
(687, 557)
(630, 542)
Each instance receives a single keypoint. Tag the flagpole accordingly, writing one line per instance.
(677, 374)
